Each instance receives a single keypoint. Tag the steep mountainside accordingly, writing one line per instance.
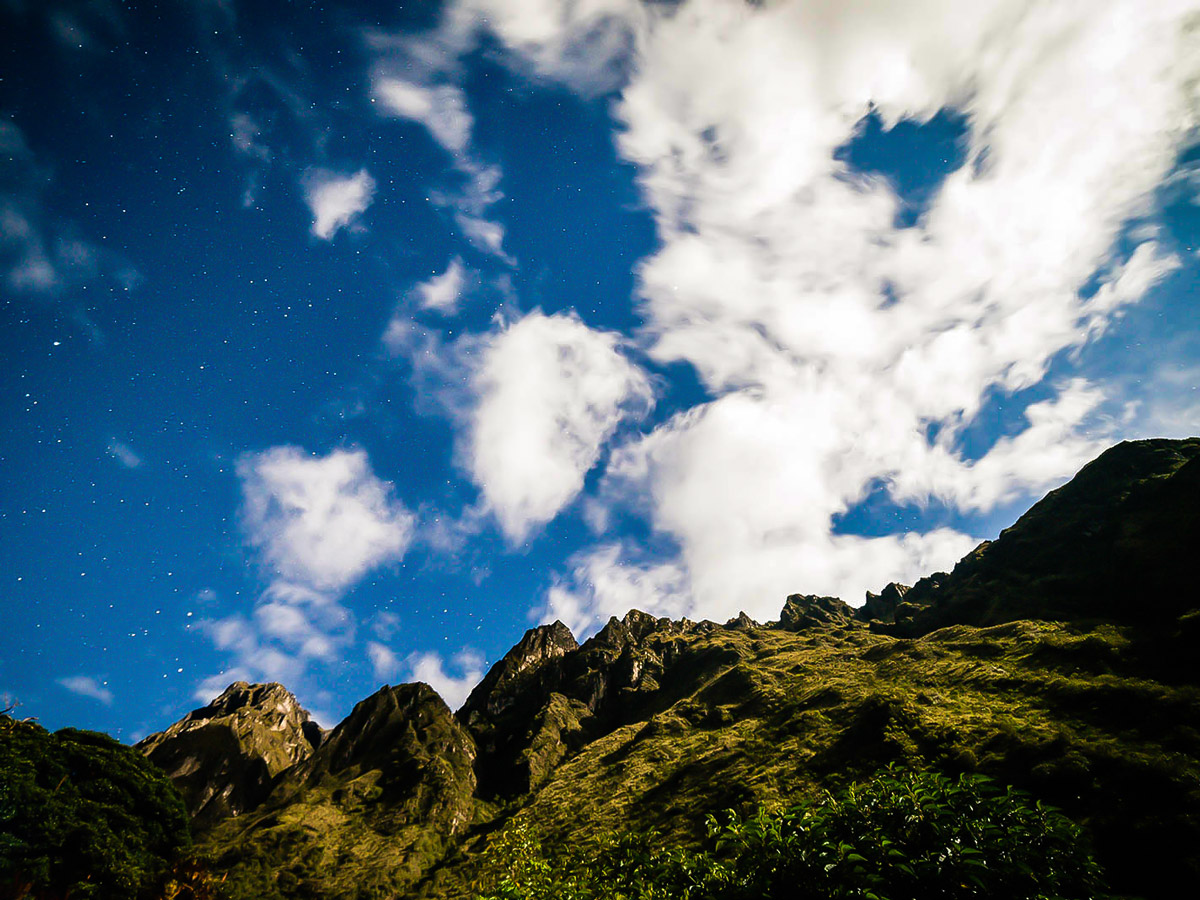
(1059, 658)
(1117, 543)
(368, 813)
(224, 757)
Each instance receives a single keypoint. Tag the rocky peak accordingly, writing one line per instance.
(882, 606)
(507, 678)
(803, 611)
(391, 718)
(224, 756)
(741, 622)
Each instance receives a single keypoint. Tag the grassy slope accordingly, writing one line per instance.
(1102, 720)
(366, 816)
(766, 716)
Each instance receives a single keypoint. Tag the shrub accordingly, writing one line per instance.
(899, 836)
(83, 815)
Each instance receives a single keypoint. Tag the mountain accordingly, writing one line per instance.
(371, 810)
(1116, 543)
(1059, 658)
(225, 757)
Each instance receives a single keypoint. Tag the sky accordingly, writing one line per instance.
(343, 342)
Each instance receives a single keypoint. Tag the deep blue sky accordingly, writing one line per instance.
(341, 345)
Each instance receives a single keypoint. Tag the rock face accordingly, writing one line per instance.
(507, 679)
(225, 756)
(802, 612)
(373, 809)
(549, 696)
(881, 607)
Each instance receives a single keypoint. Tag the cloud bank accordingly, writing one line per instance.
(847, 345)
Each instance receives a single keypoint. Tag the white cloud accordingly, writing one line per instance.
(1047, 452)
(454, 689)
(336, 200)
(583, 44)
(833, 339)
(441, 109)
(384, 662)
(602, 585)
(259, 658)
(748, 487)
(321, 521)
(318, 525)
(412, 79)
(86, 686)
(550, 391)
(124, 454)
(442, 292)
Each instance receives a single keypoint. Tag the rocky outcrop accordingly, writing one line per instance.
(548, 697)
(804, 611)
(376, 806)
(225, 757)
(741, 622)
(513, 675)
(882, 607)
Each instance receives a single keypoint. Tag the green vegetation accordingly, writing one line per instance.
(366, 816)
(900, 836)
(83, 816)
(1060, 658)
(764, 718)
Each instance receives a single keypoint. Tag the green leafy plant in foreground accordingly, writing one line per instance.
(899, 836)
(82, 815)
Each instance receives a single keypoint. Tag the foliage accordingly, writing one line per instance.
(82, 815)
(910, 836)
(899, 836)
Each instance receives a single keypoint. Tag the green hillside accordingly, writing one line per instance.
(1059, 659)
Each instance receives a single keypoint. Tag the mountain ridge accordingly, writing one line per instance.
(999, 667)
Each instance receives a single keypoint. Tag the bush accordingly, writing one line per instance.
(83, 815)
(900, 836)
(909, 836)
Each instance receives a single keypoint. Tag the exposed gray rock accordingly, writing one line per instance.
(802, 611)
(225, 756)
(741, 622)
(506, 680)
(881, 607)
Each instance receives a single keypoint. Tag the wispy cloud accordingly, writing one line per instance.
(441, 109)
(384, 662)
(415, 79)
(87, 686)
(442, 293)
(318, 525)
(124, 454)
(336, 200)
(43, 258)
